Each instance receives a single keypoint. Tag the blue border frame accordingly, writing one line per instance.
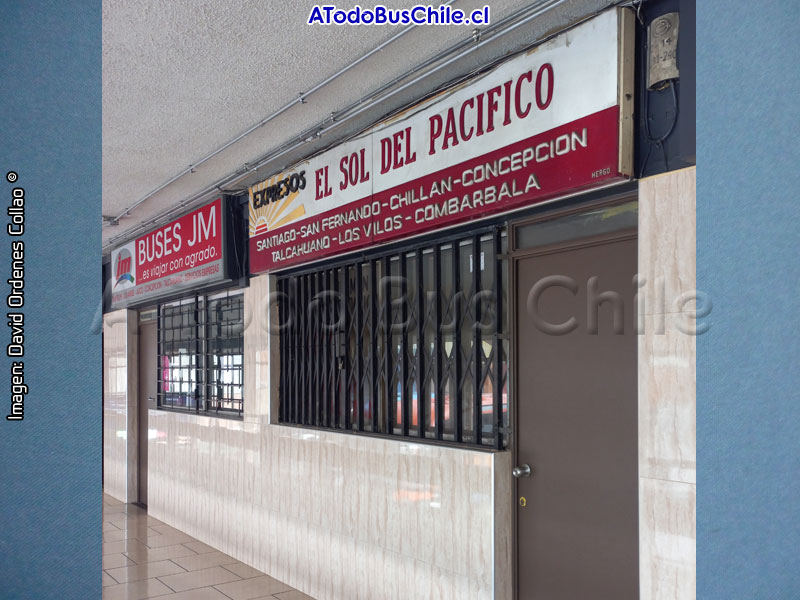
(748, 261)
(50, 463)
(748, 387)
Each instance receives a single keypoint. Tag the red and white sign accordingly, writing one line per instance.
(184, 253)
(541, 125)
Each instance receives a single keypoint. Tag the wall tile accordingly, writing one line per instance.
(667, 523)
(504, 503)
(132, 415)
(273, 353)
(667, 240)
(667, 401)
(256, 348)
(667, 386)
(418, 511)
(120, 415)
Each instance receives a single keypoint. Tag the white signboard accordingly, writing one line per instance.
(541, 125)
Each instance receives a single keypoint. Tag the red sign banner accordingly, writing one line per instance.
(181, 254)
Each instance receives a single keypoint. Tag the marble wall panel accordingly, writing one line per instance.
(667, 520)
(323, 510)
(667, 386)
(256, 349)
(120, 415)
(504, 503)
(667, 401)
(667, 240)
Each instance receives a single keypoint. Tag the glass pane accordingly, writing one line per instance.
(571, 227)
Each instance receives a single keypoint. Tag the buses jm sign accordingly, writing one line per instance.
(550, 122)
(185, 253)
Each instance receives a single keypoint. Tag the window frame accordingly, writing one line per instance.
(200, 356)
(322, 387)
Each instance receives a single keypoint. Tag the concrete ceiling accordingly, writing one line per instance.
(181, 78)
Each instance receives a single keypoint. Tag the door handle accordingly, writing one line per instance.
(522, 471)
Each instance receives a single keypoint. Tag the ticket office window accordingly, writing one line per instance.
(201, 354)
(412, 344)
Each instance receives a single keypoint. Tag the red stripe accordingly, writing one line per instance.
(571, 167)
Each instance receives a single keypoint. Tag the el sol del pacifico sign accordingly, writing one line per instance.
(544, 124)
(185, 253)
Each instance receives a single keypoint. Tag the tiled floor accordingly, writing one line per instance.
(145, 558)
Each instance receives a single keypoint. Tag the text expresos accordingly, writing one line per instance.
(169, 239)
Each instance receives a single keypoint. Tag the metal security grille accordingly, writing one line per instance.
(180, 354)
(413, 343)
(225, 356)
(201, 354)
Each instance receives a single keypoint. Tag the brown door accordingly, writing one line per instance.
(577, 512)
(148, 349)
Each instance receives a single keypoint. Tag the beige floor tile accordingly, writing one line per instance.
(122, 546)
(123, 521)
(145, 571)
(156, 541)
(204, 561)
(152, 559)
(145, 532)
(293, 595)
(164, 529)
(139, 532)
(147, 555)
(132, 509)
(113, 510)
(199, 547)
(115, 561)
(115, 536)
(208, 593)
(127, 510)
(199, 579)
(256, 587)
(244, 571)
(136, 590)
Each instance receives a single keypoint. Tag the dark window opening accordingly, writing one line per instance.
(201, 354)
(411, 344)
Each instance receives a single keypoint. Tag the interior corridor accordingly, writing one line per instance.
(145, 558)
